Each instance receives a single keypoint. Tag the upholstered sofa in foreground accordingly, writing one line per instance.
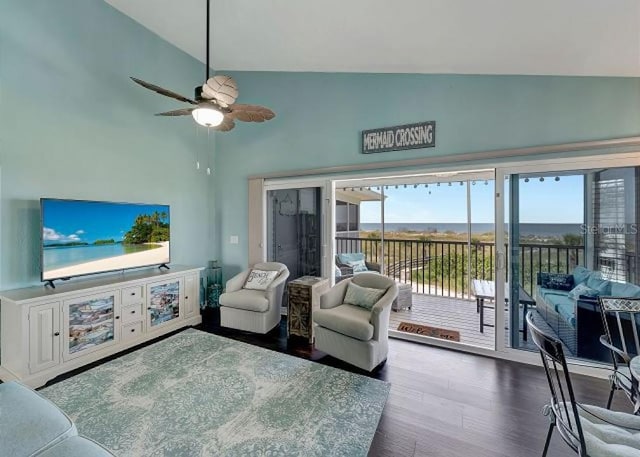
(30, 425)
(573, 312)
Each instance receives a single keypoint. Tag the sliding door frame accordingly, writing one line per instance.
(550, 166)
(327, 214)
(590, 157)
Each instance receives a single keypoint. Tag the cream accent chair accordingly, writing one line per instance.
(253, 310)
(356, 335)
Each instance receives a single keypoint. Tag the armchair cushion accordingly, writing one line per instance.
(348, 320)
(364, 297)
(247, 299)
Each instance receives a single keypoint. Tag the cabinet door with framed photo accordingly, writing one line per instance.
(164, 302)
(89, 323)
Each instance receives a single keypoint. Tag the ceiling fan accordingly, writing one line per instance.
(214, 104)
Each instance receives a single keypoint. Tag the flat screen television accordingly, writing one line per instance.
(81, 237)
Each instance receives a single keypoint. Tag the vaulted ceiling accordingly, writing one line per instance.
(541, 37)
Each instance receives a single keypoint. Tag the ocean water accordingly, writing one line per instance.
(542, 230)
(58, 257)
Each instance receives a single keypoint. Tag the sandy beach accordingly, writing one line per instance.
(136, 259)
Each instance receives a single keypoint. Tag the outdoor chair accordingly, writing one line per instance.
(621, 338)
(590, 431)
(345, 265)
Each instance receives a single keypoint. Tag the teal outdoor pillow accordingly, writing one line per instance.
(358, 266)
(347, 257)
(597, 282)
(580, 274)
(582, 290)
(364, 297)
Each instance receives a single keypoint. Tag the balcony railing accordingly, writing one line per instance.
(445, 268)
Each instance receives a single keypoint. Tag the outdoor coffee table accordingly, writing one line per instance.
(486, 290)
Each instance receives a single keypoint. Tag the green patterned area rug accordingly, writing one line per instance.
(197, 394)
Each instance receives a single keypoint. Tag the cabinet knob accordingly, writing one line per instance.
(133, 330)
(186, 297)
(133, 311)
(149, 308)
(117, 317)
(56, 334)
(133, 294)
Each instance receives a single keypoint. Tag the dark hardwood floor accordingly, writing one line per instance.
(445, 403)
(442, 403)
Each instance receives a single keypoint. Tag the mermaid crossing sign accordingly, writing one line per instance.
(410, 136)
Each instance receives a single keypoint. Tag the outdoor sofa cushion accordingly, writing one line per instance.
(349, 320)
(626, 290)
(29, 423)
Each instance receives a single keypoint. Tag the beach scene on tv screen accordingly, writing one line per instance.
(88, 237)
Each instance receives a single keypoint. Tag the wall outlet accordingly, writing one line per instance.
(233, 239)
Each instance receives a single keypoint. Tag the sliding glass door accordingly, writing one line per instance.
(434, 235)
(294, 230)
(573, 237)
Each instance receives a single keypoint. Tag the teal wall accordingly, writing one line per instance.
(72, 125)
(319, 117)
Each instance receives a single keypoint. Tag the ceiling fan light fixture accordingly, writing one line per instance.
(207, 116)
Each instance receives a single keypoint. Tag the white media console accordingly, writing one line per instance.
(45, 332)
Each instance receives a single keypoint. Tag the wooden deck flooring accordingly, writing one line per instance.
(451, 314)
(458, 314)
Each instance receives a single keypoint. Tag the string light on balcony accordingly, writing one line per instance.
(461, 183)
(526, 179)
(541, 179)
(473, 183)
(396, 186)
(415, 186)
(438, 184)
(557, 178)
(486, 183)
(449, 184)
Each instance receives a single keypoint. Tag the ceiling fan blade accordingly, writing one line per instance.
(161, 91)
(250, 113)
(177, 112)
(226, 125)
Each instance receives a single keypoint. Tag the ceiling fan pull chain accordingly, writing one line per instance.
(208, 151)
(197, 149)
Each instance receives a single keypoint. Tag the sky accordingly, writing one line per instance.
(66, 221)
(551, 202)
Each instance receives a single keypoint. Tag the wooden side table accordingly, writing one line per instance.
(304, 296)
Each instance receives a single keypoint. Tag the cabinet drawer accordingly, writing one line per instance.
(131, 295)
(131, 331)
(132, 313)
